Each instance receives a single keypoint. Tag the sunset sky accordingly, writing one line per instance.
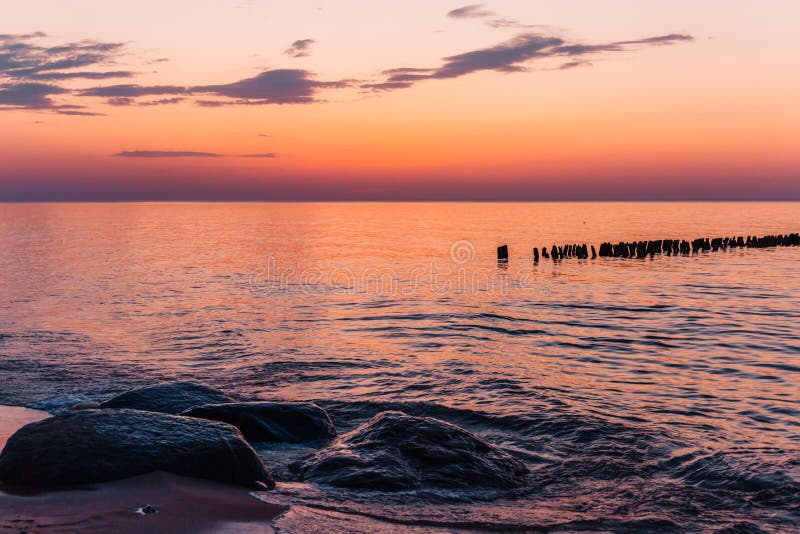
(413, 100)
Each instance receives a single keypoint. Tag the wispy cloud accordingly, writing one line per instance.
(154, 154)
(504, 22)
(130, 101)
(165, 154)
(472, 11)
(300, 48)
(262, 155)
(514, 55)
(55, 76)
(133, 91)
(478, 11)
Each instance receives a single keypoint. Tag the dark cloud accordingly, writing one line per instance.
(25, 65)
(506, 57)
(37, 96)
(26, 68)
(300, 48)
(473, 11)
(24, 60)
(165, 154)
(513, 56)
(29, 95)
(262, 155)
(263, 135)
(279, 86)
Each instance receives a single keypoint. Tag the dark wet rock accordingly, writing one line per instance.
(172, 397)
(90, 446)
(271, 421)
(394, 451)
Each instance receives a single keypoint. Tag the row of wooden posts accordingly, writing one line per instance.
(643, 249)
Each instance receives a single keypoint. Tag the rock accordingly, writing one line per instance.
(394, 451)
(172, 398)
(89, 446)
(85, 406)
(271, 421)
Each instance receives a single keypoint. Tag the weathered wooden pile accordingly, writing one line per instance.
(669, 247)
(642, 249)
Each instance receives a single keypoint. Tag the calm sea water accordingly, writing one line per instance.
(655, 394)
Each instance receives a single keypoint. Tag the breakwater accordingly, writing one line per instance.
(643, 249)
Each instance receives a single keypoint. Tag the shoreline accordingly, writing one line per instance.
(178, 504)
(155, 502)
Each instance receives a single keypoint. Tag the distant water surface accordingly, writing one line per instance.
(655, 394)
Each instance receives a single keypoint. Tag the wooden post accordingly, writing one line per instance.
(502, 253)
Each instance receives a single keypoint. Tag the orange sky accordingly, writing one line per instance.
(517, 100)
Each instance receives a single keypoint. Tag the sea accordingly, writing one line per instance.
(644, 395)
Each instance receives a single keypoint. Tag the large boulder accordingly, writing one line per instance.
(172, 397)
(395, 451)
(271, 421)
(89, 446)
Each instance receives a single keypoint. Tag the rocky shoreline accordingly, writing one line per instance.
(191, 430)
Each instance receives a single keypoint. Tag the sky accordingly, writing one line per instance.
(413, 100)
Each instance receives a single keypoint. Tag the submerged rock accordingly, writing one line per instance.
(395, 451)
(271, 421)
(172, 397)
(90, 446)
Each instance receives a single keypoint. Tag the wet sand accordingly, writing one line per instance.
(182, 504)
